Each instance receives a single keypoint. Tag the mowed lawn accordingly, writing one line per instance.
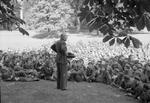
(46, 92)
(15, 40)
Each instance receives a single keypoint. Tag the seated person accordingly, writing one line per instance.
(77, 71)
(90, 72)
(128, 69)
(145, 75)
(104, 75)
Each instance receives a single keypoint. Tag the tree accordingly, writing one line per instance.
(76, 5)
(8, 17)
(27, 5)
(49, 15)
(114, 18)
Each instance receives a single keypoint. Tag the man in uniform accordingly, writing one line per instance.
(61, 61)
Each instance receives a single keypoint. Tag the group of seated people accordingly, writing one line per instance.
(126, 74)
(26, 66)
(107, 71)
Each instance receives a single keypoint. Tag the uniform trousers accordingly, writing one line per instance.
(61, 76)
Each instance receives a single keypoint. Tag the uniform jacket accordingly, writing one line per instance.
(61, 49)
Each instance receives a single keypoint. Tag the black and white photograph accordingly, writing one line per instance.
(74, 51)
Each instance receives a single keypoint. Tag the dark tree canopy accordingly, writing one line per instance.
(8, 17)
(114, 18)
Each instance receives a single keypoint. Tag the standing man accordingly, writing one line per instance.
(61, 61)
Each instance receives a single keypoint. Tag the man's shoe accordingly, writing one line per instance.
(63, 89)
(58, 87)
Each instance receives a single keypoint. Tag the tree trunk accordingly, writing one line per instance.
(22, 9)
(97, 31)
(78, 24)
(21, 13)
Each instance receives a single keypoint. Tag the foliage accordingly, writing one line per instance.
(88, 51)
(26, 66)
(116, 17)
(96, 50)
(75, 5)
(8, 17)
(52, 15)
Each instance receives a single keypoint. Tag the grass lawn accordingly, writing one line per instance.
(15, 40)
(46, 92)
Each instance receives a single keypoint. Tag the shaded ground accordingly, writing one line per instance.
(46, 92)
